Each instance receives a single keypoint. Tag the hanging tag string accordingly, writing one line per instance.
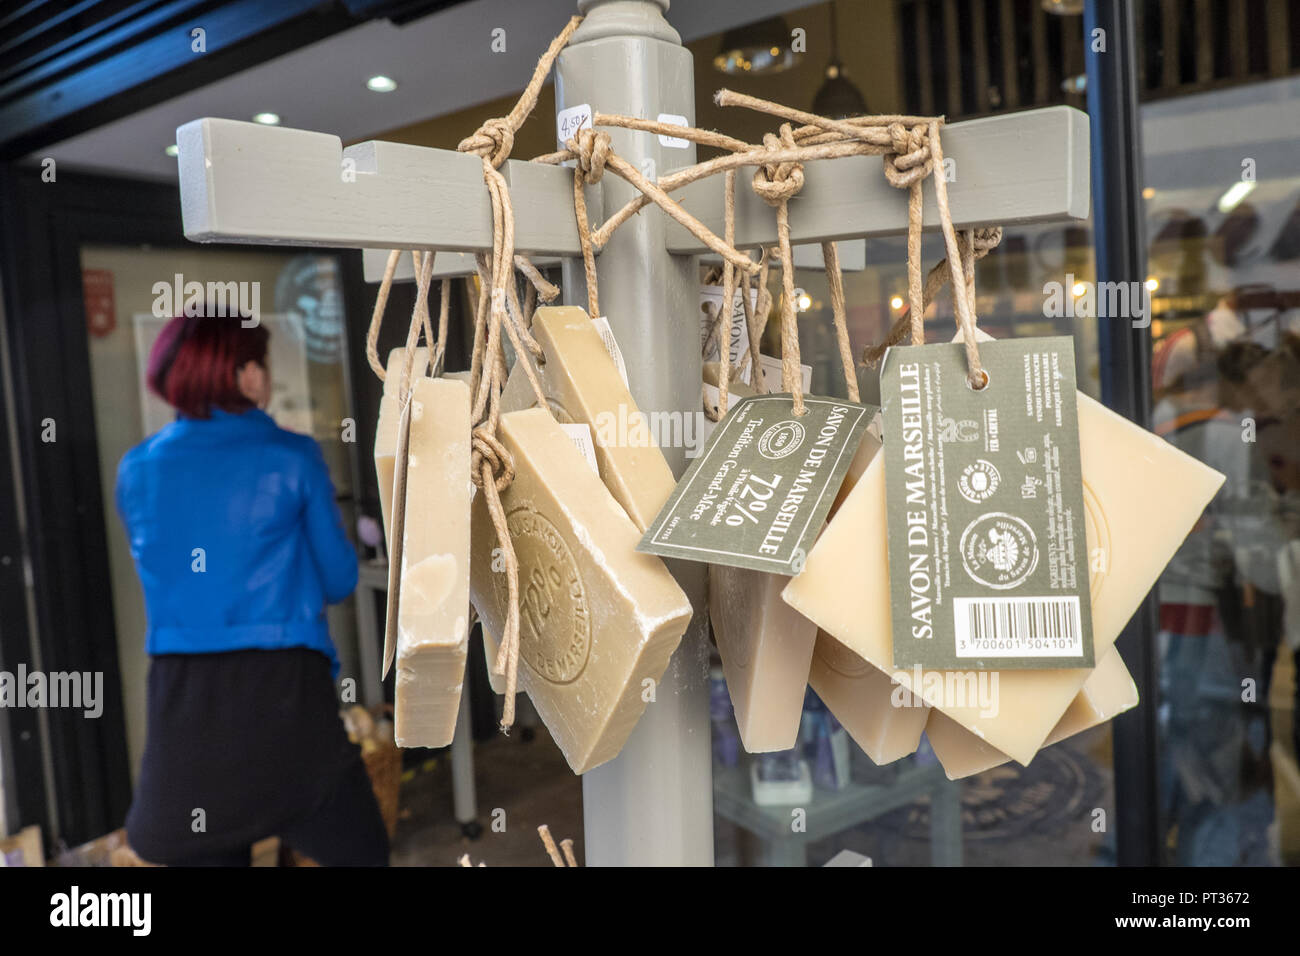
(591, 148)
(982, 241)
(377, 316)
(728, 293)
(491, 466)
(963, 295)
(835, 279)
(775, 183)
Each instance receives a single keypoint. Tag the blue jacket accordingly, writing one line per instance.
(236, 536)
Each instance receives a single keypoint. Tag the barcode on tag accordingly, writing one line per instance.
(568, 122)
(580, 434)
(611, 344)
(1017, 627)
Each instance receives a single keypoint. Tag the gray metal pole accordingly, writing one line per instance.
(653, 805)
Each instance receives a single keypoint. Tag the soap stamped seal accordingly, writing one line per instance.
(554, 619)
(999, 551)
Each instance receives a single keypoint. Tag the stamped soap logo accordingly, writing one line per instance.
(782, 439)
(554, 622)
(999, 550)
(978, 481)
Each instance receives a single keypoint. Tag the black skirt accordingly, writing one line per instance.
(241, 746)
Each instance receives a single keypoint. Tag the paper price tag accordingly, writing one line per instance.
(611, 344)
(984, 496)
(772, 374)
(758, 494)
(673, 142)
(569, 121)
(580, 434)
(710, 299)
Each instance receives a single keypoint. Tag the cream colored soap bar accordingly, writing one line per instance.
(862, 698)
(1141, 497)
(582, 384)
(597, 618)
(433, 616)
(766, 647)
(1108, 692)
(390, 415)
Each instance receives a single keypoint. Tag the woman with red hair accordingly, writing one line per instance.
(239, 545)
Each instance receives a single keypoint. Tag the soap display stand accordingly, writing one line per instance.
(249, 183)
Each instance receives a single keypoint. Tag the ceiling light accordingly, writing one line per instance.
(381, 84)
(172, 150)
(896, 302)
(1079, 289)
(267, 119)
(837, 98)
(762, 47)
(1235, 194)
(802, 300)
(1152, 284)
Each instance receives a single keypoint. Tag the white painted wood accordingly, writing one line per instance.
(244, 182)
(446, 265)
(853, 256)
(1019, 168)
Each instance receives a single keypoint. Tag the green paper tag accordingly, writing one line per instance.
(757, 496)
(984, 493)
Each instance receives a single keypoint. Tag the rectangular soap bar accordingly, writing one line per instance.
(766, 648)
(861, 696)
(597, 618)
(390, 415)
(1107, 692)
(1133, 528)
(433, 616)
(582, 384)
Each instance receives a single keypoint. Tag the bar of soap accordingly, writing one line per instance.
(766, 648)
(1108, 692)
(861, 696)
(582, 384)
(1133, 528)
(433, 615)
(597, 618)
(390, 416)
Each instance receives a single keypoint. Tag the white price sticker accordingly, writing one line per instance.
(674, 142)
(568, 122)
(611, 344)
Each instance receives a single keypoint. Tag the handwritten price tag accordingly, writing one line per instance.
(568, 122)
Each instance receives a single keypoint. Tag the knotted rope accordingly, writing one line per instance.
(491, 465)
(775, 183)
(979, 242)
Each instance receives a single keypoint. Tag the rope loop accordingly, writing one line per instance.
(777, 182)
(591, 147)
(493, 141)
(908, 159)
(490, 459)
